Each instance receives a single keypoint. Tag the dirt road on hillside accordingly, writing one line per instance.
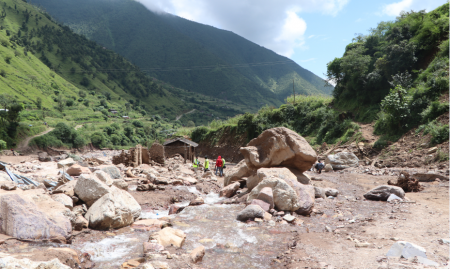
(24, 144)
(180, 116)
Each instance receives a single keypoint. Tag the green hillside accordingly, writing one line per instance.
(396, 77)
(174, 44)
(48, 73)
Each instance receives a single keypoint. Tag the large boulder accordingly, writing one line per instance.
(288, 194)
(34, 216)
(279, 147)
(13, 263)
(76, 170)
(66, 163)
(342, 160)
(382, 193)
(169, 237)
(112, 171)
(63, 199)
(104, 177)
(43, 157)
(113, 210)
(251, 212)
(229, 190)
(237, 173)
(262, 173)
(90, 189)
(67, 188)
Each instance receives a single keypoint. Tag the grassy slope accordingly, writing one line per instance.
(170, 41)
(27, 78)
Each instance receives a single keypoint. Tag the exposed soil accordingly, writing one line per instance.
(24, 143)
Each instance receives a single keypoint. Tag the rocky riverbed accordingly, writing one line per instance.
(269, 211)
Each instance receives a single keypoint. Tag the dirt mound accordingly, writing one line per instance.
(407, 182)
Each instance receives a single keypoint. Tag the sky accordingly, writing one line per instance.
(310, 32)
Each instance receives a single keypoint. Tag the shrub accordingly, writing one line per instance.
(99, 140)
(138, 124)
(199, 134)
(2, 145)
(190, 124)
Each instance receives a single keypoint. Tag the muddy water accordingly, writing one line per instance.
(229, 243)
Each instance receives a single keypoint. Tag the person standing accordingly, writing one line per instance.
(196, 163)
(206, 164)
(223, 167)
(218, 166)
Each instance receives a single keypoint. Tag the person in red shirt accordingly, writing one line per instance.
(219, 166)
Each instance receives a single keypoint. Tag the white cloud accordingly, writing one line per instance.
(276, 25)
(394, 9)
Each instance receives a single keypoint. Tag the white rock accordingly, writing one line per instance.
(63, 199)
(114, 210)
(406, 250)
(66, 163)
(90, 189)
(104, 177)
(13, 263)
(393, 197)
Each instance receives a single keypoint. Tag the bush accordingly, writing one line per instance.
(199, 134)
(99, 140)
(3, 145)
(190, 124)
(138, 124)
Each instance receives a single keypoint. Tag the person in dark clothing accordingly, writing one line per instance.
(319, 166)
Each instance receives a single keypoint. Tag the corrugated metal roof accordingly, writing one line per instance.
(184, 140)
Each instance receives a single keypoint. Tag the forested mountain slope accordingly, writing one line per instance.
(44, 59)
(174, 45)
(396, 78)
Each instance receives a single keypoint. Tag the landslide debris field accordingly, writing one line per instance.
(69, 210)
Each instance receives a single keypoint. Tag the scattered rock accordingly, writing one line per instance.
(169, 237)
(406, 250)
(407, 183)
(266, 195)
(197, 201)
(331, 192)
(80, 223)
(342, 160)
(328, 168)
(129, 173)
(393, 197)
(12, 263)
(67, 188)
(197, 254)
(23, 219)
(429, 177)
(112, 171)
(113, 210)
(426, 261)
(432, 150)
(237, 173)
(175, 209)
(90, 189)
(229, 190)
(74, 170)
(262, 173)
(160, 265)
(149, 224)
(289, 218)
(262, 204)
(279, 147)
(121, 184)
(251, 212)
(152, 248)
(43, 157)
(66, 163)
(104, 177)
(63, 199)
(382, 193)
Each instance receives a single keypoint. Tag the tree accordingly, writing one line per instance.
(190, 124)
(61, 103)
(39, 102)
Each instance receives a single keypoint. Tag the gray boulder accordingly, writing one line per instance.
(112, 171)
(115, 209)
(342, 160)
(251, 212)
(382, 193)
(23, 219)
(90, 189)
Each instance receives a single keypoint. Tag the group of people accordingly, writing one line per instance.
(218, 167)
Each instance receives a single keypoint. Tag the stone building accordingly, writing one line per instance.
(182, 146)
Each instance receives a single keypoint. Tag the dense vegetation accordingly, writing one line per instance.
(177, 46)
(310, 116)
(400, 67)
(397, 76)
